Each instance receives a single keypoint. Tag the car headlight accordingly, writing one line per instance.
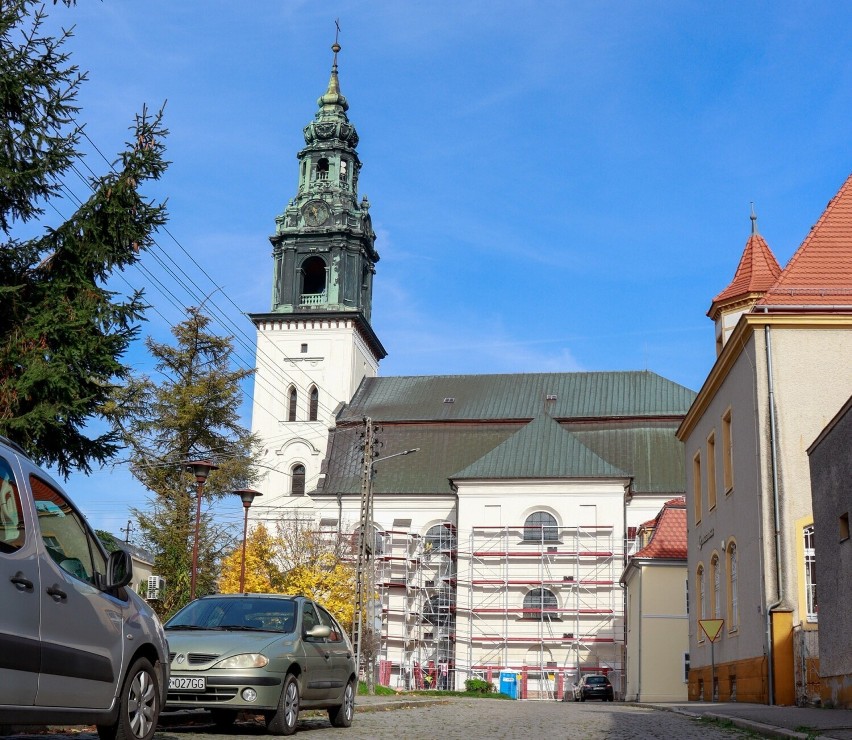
(246, 660)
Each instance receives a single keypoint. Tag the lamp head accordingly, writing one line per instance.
(200, 469)
(247, 495)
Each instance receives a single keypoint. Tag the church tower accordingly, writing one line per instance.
(316, 344)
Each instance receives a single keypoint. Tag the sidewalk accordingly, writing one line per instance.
(771, 721)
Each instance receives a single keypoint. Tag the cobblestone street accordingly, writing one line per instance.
(478, 718)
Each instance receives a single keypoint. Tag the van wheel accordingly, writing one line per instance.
(341, 716)
(139, 705)
(283, 720)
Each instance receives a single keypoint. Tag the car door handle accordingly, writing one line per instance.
(21, 583)
(57, 593)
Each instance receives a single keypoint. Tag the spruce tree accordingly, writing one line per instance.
(190, 412)
(63, 334)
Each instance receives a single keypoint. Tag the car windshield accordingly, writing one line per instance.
(237, 613)
(597, 679)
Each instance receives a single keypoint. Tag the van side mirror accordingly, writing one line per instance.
(119, 569)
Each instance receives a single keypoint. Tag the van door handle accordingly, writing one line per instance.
(22, 584)
(57, 593)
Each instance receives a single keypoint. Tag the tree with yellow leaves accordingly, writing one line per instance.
(262, 572)
(297, 560)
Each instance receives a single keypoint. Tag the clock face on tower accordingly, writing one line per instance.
(316, 213)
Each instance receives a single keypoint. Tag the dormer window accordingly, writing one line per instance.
(322, 169)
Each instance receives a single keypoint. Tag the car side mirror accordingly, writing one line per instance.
(119, 569)
(320, 631)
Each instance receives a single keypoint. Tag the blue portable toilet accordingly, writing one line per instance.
(509, 684)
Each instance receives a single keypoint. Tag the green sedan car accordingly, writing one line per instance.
(261, 653)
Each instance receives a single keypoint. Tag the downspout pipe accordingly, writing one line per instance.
(773, 448)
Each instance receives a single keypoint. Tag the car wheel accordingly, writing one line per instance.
(341, 716)
(283, 721)
(139, 705)
(582, 697)
(223, 718)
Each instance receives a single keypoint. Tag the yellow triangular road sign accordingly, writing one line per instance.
(711, 627)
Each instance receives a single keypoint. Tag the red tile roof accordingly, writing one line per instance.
(668, 540)
(757, 272)
(820, 272)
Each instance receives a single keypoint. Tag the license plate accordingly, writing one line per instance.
(177, 683)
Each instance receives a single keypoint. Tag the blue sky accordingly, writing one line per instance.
(555, 186)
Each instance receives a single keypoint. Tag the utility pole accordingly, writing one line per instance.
(363, 583)
(364, 617)
(127, 530)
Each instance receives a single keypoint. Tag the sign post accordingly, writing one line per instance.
(712, 628)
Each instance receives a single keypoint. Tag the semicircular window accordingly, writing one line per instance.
(541, 526)
(440, 538)
(541, 604)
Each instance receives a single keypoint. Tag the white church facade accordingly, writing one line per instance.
(501, 541)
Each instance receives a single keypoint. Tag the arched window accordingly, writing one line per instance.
(297, 485)
(733, 607)
(540, 603)
(314, 408)
(699, 596)
(313, 279)
(541, 526)
(717, 590)
(322, 169)
(291, 404)
(440, 538)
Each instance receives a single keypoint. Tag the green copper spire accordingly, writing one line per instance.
(324, 245)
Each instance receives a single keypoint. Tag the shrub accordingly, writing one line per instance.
(478, 686)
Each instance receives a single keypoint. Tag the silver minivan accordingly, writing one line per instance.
(76, 645)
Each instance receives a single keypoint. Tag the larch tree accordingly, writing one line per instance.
(63, 334)
(190, 412)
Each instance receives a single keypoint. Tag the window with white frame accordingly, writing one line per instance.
(541, 604)
(733, 598)
(717, 590)
(812, 604)
(727, 453)
(541, 526)
(700, 607)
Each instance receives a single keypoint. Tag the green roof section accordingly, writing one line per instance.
(541, 449)
(585, 395)
(518, 426)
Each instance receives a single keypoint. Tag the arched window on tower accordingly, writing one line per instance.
(322, 169)
(344, 172)
(297, 485)
(314, 408)
(313, 281)
(292, 399)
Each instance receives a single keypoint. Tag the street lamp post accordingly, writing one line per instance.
(247, 495)
(200, 469)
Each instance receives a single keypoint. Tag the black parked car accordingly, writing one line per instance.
(593, 686)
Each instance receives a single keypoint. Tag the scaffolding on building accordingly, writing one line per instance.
(542, 602)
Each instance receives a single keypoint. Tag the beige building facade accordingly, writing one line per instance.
(779, 378)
